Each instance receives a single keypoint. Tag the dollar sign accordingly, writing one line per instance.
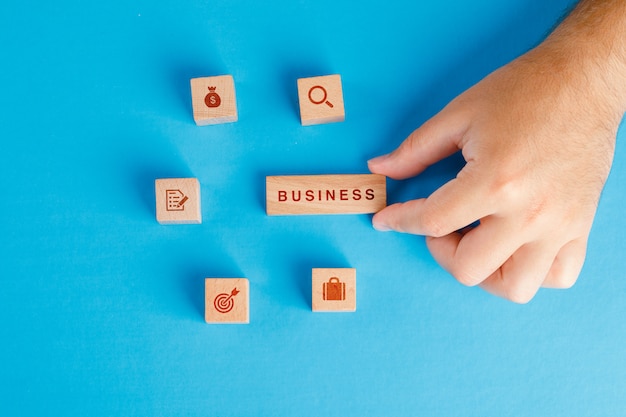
(212, 99)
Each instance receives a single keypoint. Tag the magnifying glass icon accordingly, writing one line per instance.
(324, 96)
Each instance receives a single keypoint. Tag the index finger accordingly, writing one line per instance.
(436, 139)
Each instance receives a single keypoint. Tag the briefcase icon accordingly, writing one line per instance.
(334, 289)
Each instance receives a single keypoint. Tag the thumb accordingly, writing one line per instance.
(435, 140)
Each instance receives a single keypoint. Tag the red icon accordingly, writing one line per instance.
(224, 302)
(175, 200)
(321, 97)
(334, 290)
(212, 99)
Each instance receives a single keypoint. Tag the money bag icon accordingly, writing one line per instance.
(212, 99)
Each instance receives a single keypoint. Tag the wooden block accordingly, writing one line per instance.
(226, 300)
(213, 100)
(325, 194)
(321, 100)
(178, 201)
(333, 289)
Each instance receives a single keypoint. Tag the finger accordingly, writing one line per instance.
(521, 276)
(455, 205)
(473, 257)
(567, 265)
(436, 139)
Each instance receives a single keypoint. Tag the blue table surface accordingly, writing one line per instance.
(103, 308)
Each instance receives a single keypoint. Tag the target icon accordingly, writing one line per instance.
(225, 302)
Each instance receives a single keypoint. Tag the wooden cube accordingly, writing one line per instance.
(226, 300)
(178, 201)
(333, 289)
(213, 100)
(321, 100)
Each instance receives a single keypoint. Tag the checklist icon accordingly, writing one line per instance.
(175, 200)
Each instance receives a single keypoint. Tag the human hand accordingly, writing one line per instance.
(538, 137)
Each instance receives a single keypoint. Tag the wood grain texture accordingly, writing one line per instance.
(325, 194)
(213, 100)
(226, 300)
(321, 100)
(178, 201)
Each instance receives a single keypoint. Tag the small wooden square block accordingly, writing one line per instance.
(226, 300)
(178, 201)
(213, 100)
(333, 289)
(321, 100)
(325, 194)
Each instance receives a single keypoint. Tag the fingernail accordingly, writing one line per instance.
(381, 227)
(378, 159)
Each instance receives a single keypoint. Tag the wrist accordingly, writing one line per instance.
(590, 48)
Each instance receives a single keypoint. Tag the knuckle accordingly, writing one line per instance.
(413, 143)
(564, 281)
(510, 184)
(520, 294)
(506, 188)
(520, 297)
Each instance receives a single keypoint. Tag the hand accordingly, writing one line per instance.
(538, 137)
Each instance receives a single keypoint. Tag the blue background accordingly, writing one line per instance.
(102, 308)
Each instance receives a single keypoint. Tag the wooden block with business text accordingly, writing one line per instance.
(226, 300)
(213, 100)
(325, 194)
(333, 289)
(178, 201)
(321, 100)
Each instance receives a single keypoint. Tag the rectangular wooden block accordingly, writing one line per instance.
(321, 100)
(333, 289)
(226, 300)
(178, 201)
(325, 194)
(213, 100)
